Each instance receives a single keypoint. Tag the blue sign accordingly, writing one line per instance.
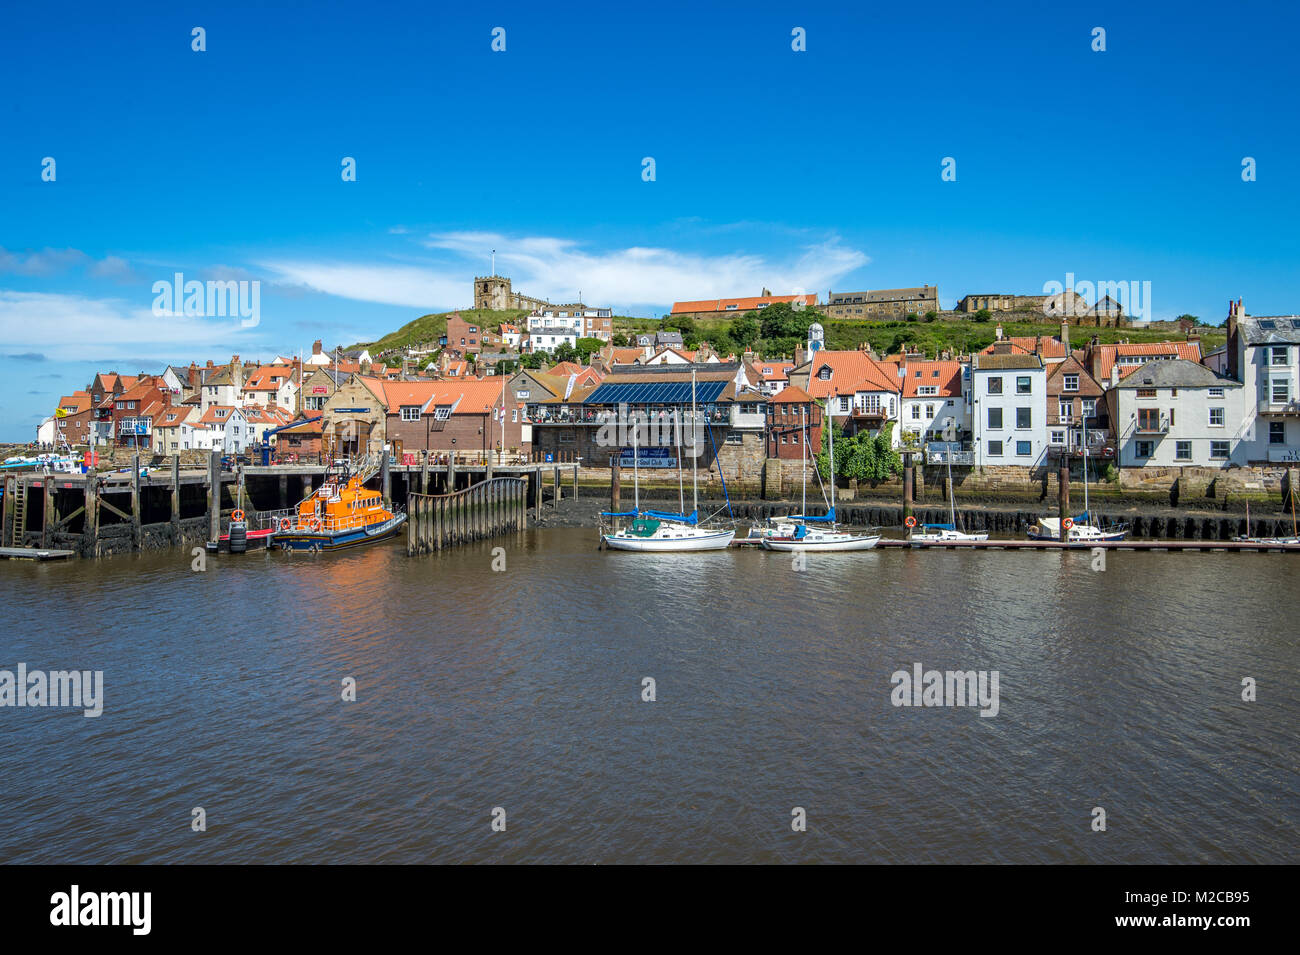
(647, 458)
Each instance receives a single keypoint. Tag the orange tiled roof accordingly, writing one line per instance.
(1106, 356)
(790, 393)
(946, 375)
(625, 356)
(739, 304)
(851, 371)
(260, 378)
(1051, 347)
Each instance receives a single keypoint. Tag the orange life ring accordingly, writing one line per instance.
(911, 521)
(313, 524)
(286, 524)
(1067, 523)
(236, 515)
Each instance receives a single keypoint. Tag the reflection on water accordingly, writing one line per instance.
(522, 690)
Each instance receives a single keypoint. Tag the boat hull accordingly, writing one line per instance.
(665, 545)
(846, 544)
(1078, 539)
(339, 540)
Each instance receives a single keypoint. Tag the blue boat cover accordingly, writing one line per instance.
(618, 513)
(691, 518)
(1082, 518)
(940, 527)
(827, 518)
(800, 532)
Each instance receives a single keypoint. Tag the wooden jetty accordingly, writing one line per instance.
(1147, 545)
(34, 553)
(495, 506)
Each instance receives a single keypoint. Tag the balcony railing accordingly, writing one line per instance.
(1151, 426)
(1279, 407)
(544, 415)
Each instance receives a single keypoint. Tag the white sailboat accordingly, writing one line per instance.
(794, 534)
(662, 531)
(944, 533)
(1078, 530)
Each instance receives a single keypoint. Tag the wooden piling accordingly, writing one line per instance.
(214, 495)
(176, 499)
(49, 517)
(1063, 491)
(7, 537)
(909, 477)
(90, 528)
(615, 491)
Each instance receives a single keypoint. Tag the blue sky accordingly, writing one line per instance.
(798, 171)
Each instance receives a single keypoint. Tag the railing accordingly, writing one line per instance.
(488, 508)
(1279, 407)
(953, 457)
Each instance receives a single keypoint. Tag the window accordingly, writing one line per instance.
(1024, 449)
(929, 411)
(916, 412)
(924, 390)
(1024, 419)
(733, 437)
(1065, 410)
(1183, 451)
(995, 449)
(1024, 385)
(1277, 355)
(824, 373)
(1058, 437)
(1280, 391)
(995, 419)
(442, 412)
(1146, 393)
(1144, 449)
(1219, 450)
(1148, 419)
(1216, 417)
(995, 386)
(1277, 432)
(1071, 383)
(1089, 407)
(844, 404)
(1216, 392)
(410, 412)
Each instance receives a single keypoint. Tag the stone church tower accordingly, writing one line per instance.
(493, 292)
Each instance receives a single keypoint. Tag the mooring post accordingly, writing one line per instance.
(451, 472)
(386, 480)
(176, 499)
(11, 488)
(537, 498)
(214, 495)
(488, 475)
(49, 517)
(575, 480)
(136, 521)
(90, 530)
(559, 493)
(1063, 490)
(909, 476)
(437, 522)
(424, 473)
(284, 491)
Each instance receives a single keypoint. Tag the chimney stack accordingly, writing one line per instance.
(316, 347)
(1235, 314)
(997, 332)
(1065, 336)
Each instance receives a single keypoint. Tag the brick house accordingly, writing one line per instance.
(788, 412)
(445, 416)
(1075, 400)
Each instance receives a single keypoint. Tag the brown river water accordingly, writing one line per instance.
(521, 689)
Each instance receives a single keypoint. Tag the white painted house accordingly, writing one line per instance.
(1008, 395)
(1263, 353)
(1178, 413)
(548, 329)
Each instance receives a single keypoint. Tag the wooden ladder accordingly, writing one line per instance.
(20, 514)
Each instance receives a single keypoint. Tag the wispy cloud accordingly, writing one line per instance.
(47, 262)
(69, 327)
(558, 269)
(33, 356)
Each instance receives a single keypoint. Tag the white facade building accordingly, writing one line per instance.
(1009, 410)
(1178, 413)
(551, 328)
(1264, 354)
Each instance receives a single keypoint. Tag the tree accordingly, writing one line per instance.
(744, 331)
(587, 347)
(533, 359)
(931, 316)
(565, 352)
(863, 457)
(983, 315)
(621, 341)
(680, 323)
(783, 320)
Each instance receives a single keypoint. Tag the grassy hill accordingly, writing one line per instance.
(948, 331)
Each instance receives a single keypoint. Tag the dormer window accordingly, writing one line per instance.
(825, 373)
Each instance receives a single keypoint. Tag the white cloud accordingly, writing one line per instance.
(73, 328)
(405, 285)
(557, 269)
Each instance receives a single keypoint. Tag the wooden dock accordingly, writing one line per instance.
(1145, 545)
(34, 553)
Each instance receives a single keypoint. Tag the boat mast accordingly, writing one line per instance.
(831, 409)
(681, 493)
(1083, 439)
(695, 455)
(952, 491)
(803, 455)
(636, 473)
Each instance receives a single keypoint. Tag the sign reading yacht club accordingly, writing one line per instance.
(647, 458)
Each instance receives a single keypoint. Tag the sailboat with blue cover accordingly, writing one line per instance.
(653, 531)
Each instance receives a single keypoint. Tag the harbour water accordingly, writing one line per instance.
(522, 689)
